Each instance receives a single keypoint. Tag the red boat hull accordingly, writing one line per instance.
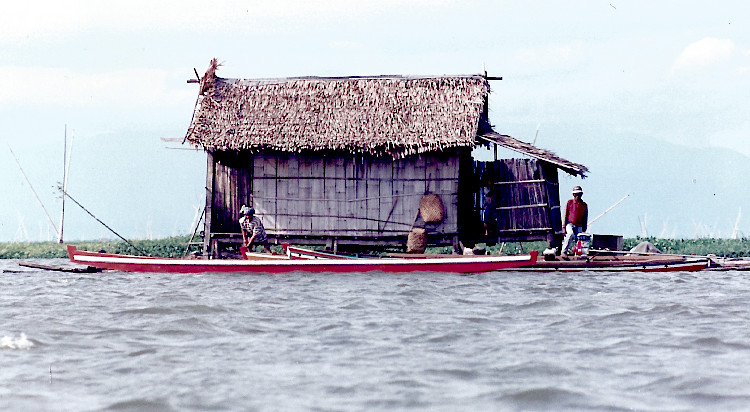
(453, 264)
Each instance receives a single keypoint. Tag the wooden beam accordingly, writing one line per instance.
(208, 209)
(521, 206)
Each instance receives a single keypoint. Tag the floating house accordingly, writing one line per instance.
(367, 162)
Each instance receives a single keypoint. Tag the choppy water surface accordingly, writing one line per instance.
(495, 341)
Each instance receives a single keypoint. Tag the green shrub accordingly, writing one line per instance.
(167, 247)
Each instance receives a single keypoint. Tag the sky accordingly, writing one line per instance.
(651, 96)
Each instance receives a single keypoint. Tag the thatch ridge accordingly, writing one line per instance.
(378, 115)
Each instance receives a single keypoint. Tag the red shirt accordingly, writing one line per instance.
(577, 213)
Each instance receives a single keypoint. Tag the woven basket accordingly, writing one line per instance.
(417, 241)
(431, 208)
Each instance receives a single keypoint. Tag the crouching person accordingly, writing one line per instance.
(253, 232)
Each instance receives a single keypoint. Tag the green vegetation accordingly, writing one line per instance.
(720, 247)
(175, 247)
(168, 247)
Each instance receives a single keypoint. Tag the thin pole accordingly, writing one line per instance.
(104, 224)
(607, 211)
(187, 249)
(34, 191)
(62, 208)
(66, 170)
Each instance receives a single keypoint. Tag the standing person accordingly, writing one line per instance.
(490, 213)
(576, 219)
(252, 229)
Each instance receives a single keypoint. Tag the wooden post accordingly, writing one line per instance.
(210, 169)
(65, 184)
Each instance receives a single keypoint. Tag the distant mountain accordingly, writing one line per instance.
(678, 191)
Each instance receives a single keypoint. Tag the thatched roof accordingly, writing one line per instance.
(378, 115)
(533, 151)
(382, 115)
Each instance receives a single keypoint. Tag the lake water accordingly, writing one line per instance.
(440, 342)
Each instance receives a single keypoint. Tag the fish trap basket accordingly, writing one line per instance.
(417, 241)
(431, 208)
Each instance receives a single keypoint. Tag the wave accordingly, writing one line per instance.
(16, 342)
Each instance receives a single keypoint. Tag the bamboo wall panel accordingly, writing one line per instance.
(327, 210)
(339, 172)
(266, 167)
(522, 196)
(553, 195)
(372, 183)
(385, 196)
(332, 195)
(231, 190)
(400, 216)
(357, 209)
(319, 206)
(448, 175)
(293, 195)
(284, 190)
(337, 195)
(304, 206)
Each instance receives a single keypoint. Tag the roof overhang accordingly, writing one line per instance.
(516, 145)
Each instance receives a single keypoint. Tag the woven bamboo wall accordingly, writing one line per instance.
(527, 202)
(229, 189)
(340, 196)
(347, 196)
(550, 173)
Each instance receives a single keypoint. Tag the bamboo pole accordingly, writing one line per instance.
(187, 249)
(62, 208)
(34, 191)
(66, 171)
(607, 211)
(105, 225)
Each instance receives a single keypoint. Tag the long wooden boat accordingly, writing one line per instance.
(728, 264)
(607, 263)
(295, 252)
(452, 264)
(594, 263)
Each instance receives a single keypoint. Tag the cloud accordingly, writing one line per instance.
(46, 19)
(60, 86)
(542, 59)
(347, 45)
(703, 53)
